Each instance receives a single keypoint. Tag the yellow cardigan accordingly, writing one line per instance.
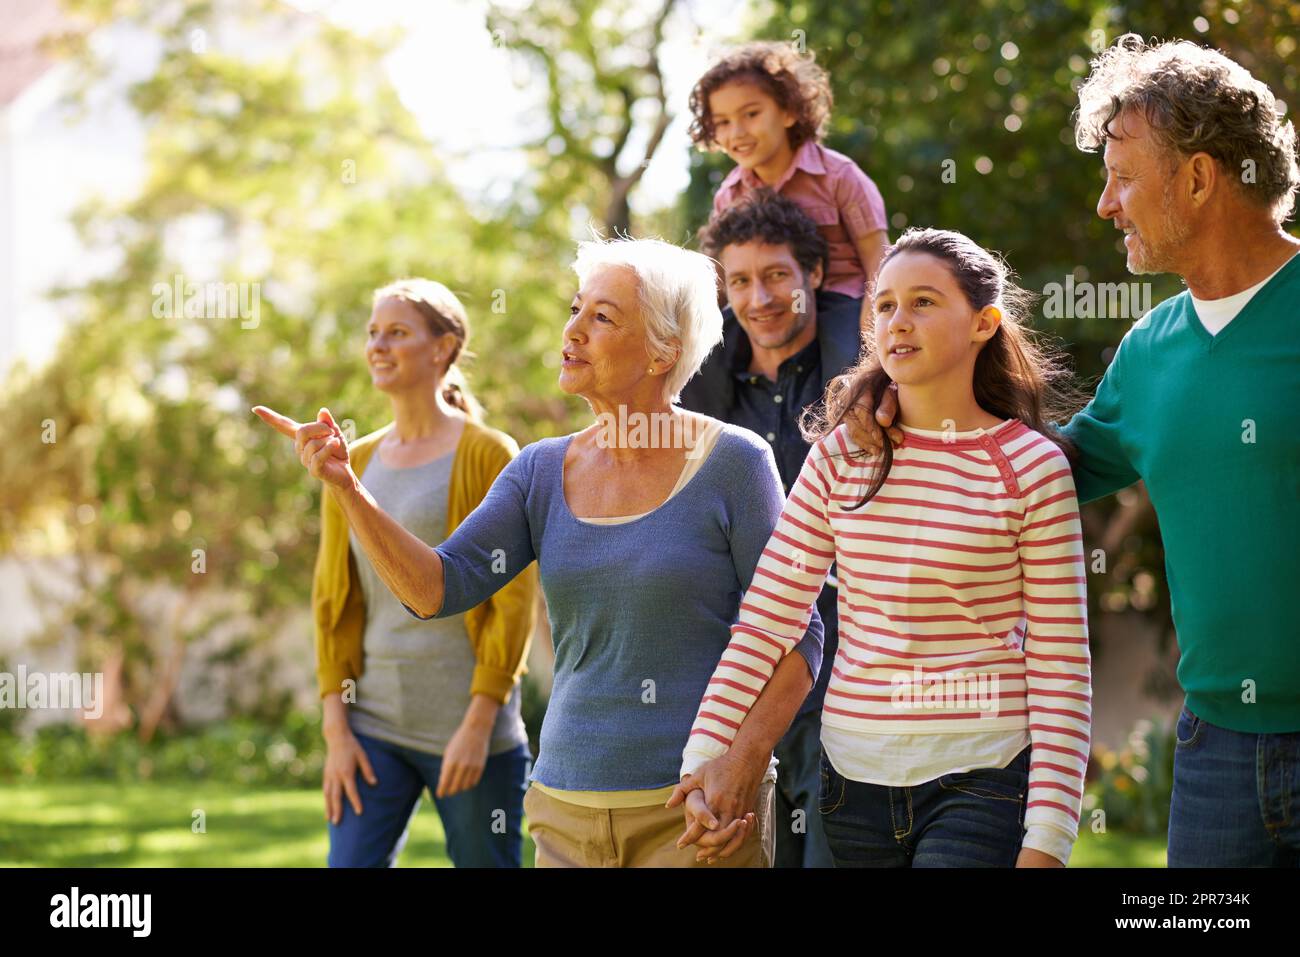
(500, 629)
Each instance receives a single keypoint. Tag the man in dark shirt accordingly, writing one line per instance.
(784, 340)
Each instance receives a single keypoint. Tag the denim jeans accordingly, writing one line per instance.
(800, 838)
(484, 825)
(971, 819)
(1236, 800)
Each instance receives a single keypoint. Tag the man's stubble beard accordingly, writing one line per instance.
(1162, 258)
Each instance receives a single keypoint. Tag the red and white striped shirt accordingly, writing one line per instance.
(962, 602)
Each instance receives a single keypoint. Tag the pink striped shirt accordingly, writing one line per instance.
(836, 194)
(962, 602)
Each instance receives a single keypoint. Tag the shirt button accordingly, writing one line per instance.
(771, 436)
(753, 380)
(777, 398)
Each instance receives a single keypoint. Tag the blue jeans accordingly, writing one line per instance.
(484, 825)
(1236, 800)
(800, 839)
(972, 819)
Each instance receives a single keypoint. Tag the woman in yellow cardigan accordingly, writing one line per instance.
(411, 704)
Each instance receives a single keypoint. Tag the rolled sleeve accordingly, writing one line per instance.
(861, 204)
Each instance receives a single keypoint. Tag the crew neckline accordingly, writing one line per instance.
(942, 439)
(716, 426)
(378, 457)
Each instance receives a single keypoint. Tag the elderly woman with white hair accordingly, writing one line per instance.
(644, 546)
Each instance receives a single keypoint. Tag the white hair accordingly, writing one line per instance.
(678, 290)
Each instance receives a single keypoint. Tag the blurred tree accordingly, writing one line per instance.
(282, 170)
(606, 110)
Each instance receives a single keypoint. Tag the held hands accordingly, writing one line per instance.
(867, 431)
(320, 445)
(728, 784)
(704, 830)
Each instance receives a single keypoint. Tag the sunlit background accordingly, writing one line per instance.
(152, 532)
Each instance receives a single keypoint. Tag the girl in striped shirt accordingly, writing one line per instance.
(955, 730)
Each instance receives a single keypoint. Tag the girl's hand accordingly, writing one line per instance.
(465, 757)
(730, 783)
(720, 793)
(343, 757)
(320, 445)
(1032, 858)
(703, 830)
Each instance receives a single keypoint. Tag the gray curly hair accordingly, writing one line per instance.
(1195, 100)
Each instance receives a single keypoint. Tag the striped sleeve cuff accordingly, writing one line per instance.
(1050, 839)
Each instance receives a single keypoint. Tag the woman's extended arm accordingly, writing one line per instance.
(411, 569)
(500, 629)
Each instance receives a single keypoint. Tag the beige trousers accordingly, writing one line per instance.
(569, 835)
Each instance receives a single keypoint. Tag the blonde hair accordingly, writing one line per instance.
(443, 313)
(678, 293)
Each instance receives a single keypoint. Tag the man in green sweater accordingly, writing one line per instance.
(1202, 402)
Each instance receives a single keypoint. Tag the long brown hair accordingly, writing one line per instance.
(443, 313)
(1015, 376)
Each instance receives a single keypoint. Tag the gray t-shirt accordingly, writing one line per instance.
(415, 686)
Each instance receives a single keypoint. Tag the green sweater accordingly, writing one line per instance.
(1212, 425)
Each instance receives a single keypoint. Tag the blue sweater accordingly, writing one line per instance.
(640, 613)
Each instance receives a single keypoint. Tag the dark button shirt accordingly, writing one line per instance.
(773, 409)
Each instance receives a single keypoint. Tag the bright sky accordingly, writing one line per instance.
(447, 53)
(449, 44)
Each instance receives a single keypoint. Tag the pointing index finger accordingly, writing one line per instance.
(281, 424)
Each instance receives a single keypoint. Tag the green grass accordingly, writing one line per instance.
(1117, 849)
(98, 824)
